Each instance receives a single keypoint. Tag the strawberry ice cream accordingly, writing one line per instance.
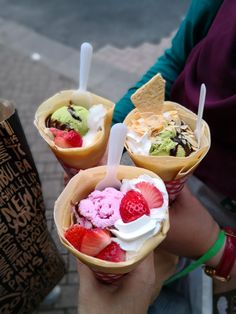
(101, 208)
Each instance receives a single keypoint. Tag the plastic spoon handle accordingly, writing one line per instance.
(115, 149)
(116, 144)
(86, 52)
(200, 113)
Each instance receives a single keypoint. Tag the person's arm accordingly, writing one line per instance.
(126, 295)
(192, 29)
(192, 230)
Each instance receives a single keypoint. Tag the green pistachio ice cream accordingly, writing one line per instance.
(167, 144)
(71, 117)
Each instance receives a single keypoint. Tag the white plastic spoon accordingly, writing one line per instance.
(81, 96)
(115, 149)
(201, 105)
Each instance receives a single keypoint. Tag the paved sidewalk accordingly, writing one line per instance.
(27, 83)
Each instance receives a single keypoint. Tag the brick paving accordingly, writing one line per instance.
(27, 83)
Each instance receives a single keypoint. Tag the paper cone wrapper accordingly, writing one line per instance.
(174, 171)
(74, 159)
(78, 188)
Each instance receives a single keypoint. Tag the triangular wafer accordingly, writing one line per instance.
(151, 95)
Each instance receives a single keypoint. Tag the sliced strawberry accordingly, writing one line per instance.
(61, 142)
(57, 132)
(94, 241)
(112, 253)
(67, 139)
(133, 205)
(152, 195)
(74, 139)
(75, 235)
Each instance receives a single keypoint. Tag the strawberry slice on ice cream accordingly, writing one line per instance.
(94, 241)
(152, 195)
(112, 253)
(67, 139)
(133, 205)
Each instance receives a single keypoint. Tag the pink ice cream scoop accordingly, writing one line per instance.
(102, 207)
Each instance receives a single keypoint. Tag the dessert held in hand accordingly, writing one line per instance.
(113, 225)
(76, 123)
(77, 133)
(161, 136)
(112, 230)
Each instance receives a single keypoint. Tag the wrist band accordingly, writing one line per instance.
(223, 269)
(207, 256)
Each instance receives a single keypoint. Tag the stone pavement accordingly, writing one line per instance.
(34, 68)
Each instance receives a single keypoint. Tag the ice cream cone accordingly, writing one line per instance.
(169, 167)
(174, 171)
(74, 159)
(78, 188)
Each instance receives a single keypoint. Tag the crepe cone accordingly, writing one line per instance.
(74, 159)
(174, 171)
(78, 188)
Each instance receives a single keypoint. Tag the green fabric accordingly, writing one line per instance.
(206, 257)
(193, 28)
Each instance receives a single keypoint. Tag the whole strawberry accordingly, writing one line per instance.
(133, 205)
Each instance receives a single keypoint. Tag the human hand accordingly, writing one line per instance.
(192, 229)
(132, 293)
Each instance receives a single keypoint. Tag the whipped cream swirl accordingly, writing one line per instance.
(131, 236)
(138, 144)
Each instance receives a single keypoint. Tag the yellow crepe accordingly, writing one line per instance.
(149, 101)
(169, 167)
(78, 188)
(76, 158)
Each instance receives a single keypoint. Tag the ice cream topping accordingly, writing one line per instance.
(85, 122)
(132, 235)
(129, 217)
(160, 135)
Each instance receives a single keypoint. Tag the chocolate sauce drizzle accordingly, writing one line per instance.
(71, 110)
(49, 123)
(187, 148)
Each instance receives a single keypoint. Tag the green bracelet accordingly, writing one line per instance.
(207, 256)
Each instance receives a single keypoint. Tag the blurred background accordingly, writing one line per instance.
(127, 36)
(39, 56)
(121, 24)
